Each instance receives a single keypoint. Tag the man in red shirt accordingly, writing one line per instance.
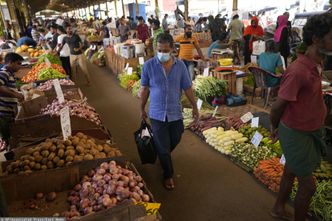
(298, 116)
(142, 30)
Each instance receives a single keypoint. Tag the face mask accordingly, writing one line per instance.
(189, 34)
(163, 57)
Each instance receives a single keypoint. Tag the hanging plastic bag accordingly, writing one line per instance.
(258, 47)
(145, 145)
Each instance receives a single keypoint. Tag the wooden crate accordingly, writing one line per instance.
(230, 77)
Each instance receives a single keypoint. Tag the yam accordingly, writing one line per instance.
(78, 158)
(100, 148)
(53, 148)
(51, 156)
(45, 153)
(68, 143)
(56, 159)
(79, 149)
(38, 158)
(61, 153)
(70, 152)
(69, 159)
(50, 165)
(61, 163)
(88, 157)
(107, 148)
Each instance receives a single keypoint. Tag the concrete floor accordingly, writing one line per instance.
(208, 185)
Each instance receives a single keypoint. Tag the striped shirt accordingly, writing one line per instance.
(8, 105)
(186, 47)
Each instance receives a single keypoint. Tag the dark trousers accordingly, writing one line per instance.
(166, 136)
(66, 64)
(5, 128)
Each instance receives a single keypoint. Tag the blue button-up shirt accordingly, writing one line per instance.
(165, 88)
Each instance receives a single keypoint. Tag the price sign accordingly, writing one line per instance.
(199, 104)
(247, 117)
(65, 122)
(254, 122)
(151, 208)
(130, 71)
(283, 160)
(48, 62)
(127, 66)
(206, 72)
(141, 60)
(256, 140)
(215, 111)
(58, 90)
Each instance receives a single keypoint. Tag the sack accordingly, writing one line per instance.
(145, 145)
(258, 47)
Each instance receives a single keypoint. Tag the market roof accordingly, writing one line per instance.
(61, 5)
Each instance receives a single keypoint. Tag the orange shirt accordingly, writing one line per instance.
(186, 47)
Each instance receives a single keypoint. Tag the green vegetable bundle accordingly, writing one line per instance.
(49, 73)
(52, 58)
(125, 79)
(321, 203)
(324, 172)
(136, 88)
(207, 87)
(250, 156)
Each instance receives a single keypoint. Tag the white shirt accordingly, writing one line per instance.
(65, 51)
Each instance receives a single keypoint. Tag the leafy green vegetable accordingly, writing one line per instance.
(124, 79)
(49, 73)
(206, 87)
(52, 58)
(136, 88)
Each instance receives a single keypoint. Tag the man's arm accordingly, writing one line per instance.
(277, 111)
(144, 99)
(199, 51)
(11, 93)
(190, 95)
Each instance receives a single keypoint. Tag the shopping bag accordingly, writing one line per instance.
(145, 145)
(258, 47)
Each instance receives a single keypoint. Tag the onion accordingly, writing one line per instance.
(85, 203)
(101, 183)
(115, 176)
(87, 210)
(96, 195)
(97, 208)
(39, 196)
(107, 201)
(119, 190)
(141, 185)
(146, 198)
(97, 177)
(136, 196)
(138, 178)
(99, 190)
(125, 179)
(86, 185)
(51, 196)
(132, 184)
(107, 177)
(101, 171)
(78, 187)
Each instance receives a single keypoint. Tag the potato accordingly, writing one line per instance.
(31, 158)
(107, 148)
(53, 148)
(9, 168)
(51, 156)
(38, 158)
(61, 146)
(69, 159)
(16, 170)
(75, 141)
(98, 156)
(100, 148)
(83, 141)
(54, 140)
(70, 148)
(15, 164)
(88, 157)
(61, 153)
(68, 142)
(46, 145)
(45, 153)
(50, 165)
(24, 157)
(85, 137)
(61, 163)
(44, 161)
(94, 151)
(79, 135)
(37, 166)
(103, 155)
(36, 154)
(29, 151)
(79, 149)
(48, 140)
(56, 159)
(27, 172)
(26, 168)
(70, 152)
(110, 154)
(44, 167)
(26, 162)
(32, 164)
(78, 158)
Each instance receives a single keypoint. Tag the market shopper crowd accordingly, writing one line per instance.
(297, 116)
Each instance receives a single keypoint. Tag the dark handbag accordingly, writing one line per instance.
(145, 145)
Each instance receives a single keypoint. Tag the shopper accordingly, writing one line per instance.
(77, 59)
(252, 33)
(165, 23)
(142, 31)
(25, 40)
(64, 51)
(298, 115)
(179, 16)
(35, 33)
(187, 43)
(54, 39)
(281, 37)
(165, 102)
(9, 95)
(157, 30)
(106, 34)
(124, 30)
(270, 61)
(236, 29)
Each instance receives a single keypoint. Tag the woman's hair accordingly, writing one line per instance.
(317, 26)
(270, 46)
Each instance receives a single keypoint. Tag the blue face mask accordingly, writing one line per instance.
(163, 57)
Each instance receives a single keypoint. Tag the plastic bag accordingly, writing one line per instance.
(258, 47)
(145, 145)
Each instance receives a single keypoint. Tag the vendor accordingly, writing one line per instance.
(270, 61)
(216, 45)
(124, 30)
(25, 40)
(8, 93)
(187, 43)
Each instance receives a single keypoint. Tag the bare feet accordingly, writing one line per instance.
(169, 184)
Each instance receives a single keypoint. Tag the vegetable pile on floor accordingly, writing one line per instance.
(76, 108)
(249, 155)
(105, 187)
(222, 140)
(209, 87)
(56, 152)
(324, 172)
(205, 122)
(269, 172)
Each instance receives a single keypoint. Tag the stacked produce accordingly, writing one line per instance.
(53, 59)
(48, 85)
(187, 114)
(77, 108)
(98, 58)
(209, 87)
(222, 140)
(105, 187)
(2, 144)
(269, 172)
(205, 122)
(35, 52)
(50, 73)
(127, 81)
(249, 155)
(34, 74)
(324, 172)
(234, 122)
(54, 153)
(321, 202)
(136, 88)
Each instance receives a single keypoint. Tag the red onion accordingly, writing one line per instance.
(84, 203)
(101, 183)
(97, 177)
(87, 210)
(141, 185)
(107, 201)
(101, 171)
(104, 166)
(107, 177)
(146, 198)
(91, 173)
(86, 185)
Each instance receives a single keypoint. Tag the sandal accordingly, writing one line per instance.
(286, 216)
(169, 184)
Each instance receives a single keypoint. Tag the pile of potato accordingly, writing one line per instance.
(54, 153)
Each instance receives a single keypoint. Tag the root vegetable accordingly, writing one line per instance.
(39, 196)
(50, 196)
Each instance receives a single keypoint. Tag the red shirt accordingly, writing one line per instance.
(302, 87)
(142, 32)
